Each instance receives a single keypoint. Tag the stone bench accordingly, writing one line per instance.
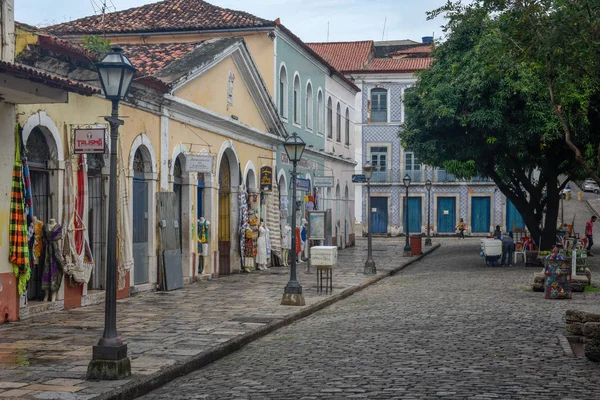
(584, 327)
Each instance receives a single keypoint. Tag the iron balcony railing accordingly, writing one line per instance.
(418, 176)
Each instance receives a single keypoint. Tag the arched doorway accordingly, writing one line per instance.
(338, 217)
(97, 218)
(41, 157)
(346, 217)
(178, 190)
(141, 165)
(224, 216)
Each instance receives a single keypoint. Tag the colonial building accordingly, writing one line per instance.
(193, 102)
(312, 97)
(383, 71)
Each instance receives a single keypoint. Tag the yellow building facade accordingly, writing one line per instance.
(210, 104)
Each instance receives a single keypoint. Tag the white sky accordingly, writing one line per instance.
(348, 19)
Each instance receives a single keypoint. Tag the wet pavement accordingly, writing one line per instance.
(46, 356)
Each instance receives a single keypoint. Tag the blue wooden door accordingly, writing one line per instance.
(379, 214)
(446, 214)
(414, 215)
(513, 218)
(480, 214)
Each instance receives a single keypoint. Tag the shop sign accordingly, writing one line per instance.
(90, 141)
(199, 163)
(302, 184)
(266, 178)
(360, 178)
(323, 181)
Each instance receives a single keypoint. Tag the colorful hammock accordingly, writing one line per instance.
(18, 237)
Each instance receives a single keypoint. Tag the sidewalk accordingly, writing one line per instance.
(171, 333)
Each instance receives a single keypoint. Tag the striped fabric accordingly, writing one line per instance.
(19, 247)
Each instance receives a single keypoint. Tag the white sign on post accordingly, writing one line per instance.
(323, 181)
(199, 163)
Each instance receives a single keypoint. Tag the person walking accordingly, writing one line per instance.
(508, 249)
(589, 226)
(462, 226)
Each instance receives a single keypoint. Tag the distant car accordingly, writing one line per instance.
(591, 186)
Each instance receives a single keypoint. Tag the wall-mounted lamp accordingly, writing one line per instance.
(271, 35)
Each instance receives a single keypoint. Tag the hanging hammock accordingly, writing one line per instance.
(124, 236)
(79, 261)
(18, 238)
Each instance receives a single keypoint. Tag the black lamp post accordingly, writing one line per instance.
(428, 187)
(562, 209)
(292, 294)
(407, 249)
(109, 356)
(369, 264)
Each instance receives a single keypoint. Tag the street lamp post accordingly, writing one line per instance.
(109, 356)
(428, 187)
(292, 294)
(407, 249)
(562, 209)
(369, 264)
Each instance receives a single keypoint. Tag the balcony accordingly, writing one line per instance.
(396, 176)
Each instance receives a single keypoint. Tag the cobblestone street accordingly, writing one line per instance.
(445, 327)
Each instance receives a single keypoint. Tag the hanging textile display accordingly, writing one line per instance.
(247, 261)
(79, 262)
(28, 195)
(273, 222)
(18, 235)
(52, 272)
(124, 235)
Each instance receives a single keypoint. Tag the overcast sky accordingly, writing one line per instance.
(348, 19)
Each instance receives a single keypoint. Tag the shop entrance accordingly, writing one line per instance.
(39, 156)
(140, 220)
(96, 219)
(178, 190)
(224, 216)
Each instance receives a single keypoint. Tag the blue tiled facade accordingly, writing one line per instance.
(387, 134)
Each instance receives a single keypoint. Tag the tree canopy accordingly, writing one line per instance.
(485, 108)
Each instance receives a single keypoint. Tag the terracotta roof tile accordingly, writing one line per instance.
(22, 71)
(419, 50)
(148, 59)
(397, 65)
(344, 56)
(166, 15)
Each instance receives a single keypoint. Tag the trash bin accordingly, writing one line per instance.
(415, 245)
(579, 196)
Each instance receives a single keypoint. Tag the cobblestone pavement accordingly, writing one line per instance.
(46, 356)
(446, 327)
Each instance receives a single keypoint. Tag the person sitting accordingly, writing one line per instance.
(497, 232)
(555, 254)
(508, 249)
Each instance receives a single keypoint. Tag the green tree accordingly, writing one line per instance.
(481, 110)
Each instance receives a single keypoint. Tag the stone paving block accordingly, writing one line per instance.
(14, 393)
(54, 388)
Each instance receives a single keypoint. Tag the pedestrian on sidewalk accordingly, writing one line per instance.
(508, 249)
(462, 226)
(589, 226)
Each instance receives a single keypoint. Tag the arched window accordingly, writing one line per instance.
(320, 111)
(347, 128)
(297, 104)
(283, 92)
(309, 107)
(329, 118)
(338, 124)
(379, 105)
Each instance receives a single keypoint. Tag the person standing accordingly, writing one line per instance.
(508, 249)
(462, 226)
(589, 226)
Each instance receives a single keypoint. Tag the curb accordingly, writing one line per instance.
(160, 378)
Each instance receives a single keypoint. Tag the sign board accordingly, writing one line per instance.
(323, 255)
(199, 163)
(90, 141)
(316, 225)
(358, 178)
(266, 178)
(302, 184)
(323, 181)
